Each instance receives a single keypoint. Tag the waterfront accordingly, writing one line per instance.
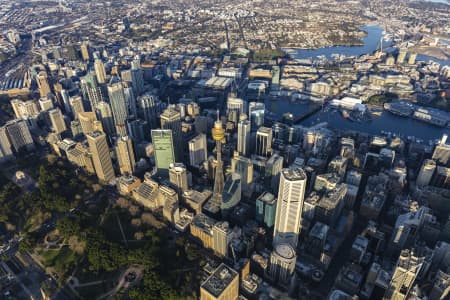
(386, 122)
(371, 44)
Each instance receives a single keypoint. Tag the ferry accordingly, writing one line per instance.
(345, 114)
(431, 116)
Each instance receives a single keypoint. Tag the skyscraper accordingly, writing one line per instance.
(197, 150)
(118, 106)
(235, 107)
(171, 119)
(76, 104)
(266, 206)
(272, 173)
(42, 83)
(66, 101)
(136, 76)
(289, 207)
(106, 117)
(426, 172)
(178, 177)
(231, 194)
(164, 154)
(88, 122)
(409, 265)
(243, 142)
(100, 71)
(221, 238)
(90, 89)
(5, 146)
(256, 114)
(130, 101)
(85, 51)
(100, 155)
(264, 141)
(57, 120)
(218, 135)
(148, 109)
(282, 263)
(125, 155)
(441, 153)
(19, 135)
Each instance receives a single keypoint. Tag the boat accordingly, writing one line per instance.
(345, 114)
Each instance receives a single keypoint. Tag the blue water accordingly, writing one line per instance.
(386, 122)
(371, 44)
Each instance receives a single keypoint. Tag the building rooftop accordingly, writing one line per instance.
(203, 222)
(294, 174)
(285, 250)
(219, 280)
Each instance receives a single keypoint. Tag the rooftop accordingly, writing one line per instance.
(219, 280)
(294, 174)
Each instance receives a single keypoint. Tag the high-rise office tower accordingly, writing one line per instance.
(282, 263)
(125, 155)
(137, 77)
(197, 150)
(66, 101)
(441, 153)
(163, 147)
(178, 177)
(42, 83)
(85, 51)
(46, 104)
(171, 119)
(90, 89)
(256, 114)
(5, 146)
(118, 106)
(57, 120)
(106, 117)
(100, 71)
(100, 155)
(137, 130)
(235, 107)
(19, 135)
(75, 128)
(88, 122)
(243, 143)
(218, 135)
(266, 207)
(130, 100)
(409, 265)
(76, 104)
(264, 141)
(289, 207)
(231, 194)
(148, 109)
(244, 167)
(222, 235)
(426, 172)
(272, 173)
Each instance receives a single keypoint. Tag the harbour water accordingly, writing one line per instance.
(385, 122)
(371, 43)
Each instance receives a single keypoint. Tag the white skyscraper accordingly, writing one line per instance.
(197, 150)
(243, 145)
(118, 106)
(289, 207)
(235, 107)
